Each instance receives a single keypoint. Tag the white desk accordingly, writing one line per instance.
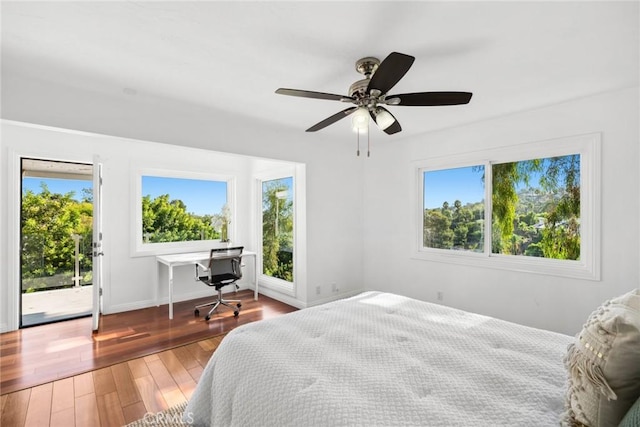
(191, 258)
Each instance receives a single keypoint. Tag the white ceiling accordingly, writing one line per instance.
(513, 56)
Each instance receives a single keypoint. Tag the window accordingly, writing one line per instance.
(453, 209)
(529, 208)
(181, 210)
(536, 207)
(277, 228)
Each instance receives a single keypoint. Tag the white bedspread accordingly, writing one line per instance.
(379, 359)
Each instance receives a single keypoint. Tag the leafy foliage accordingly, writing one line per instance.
(554, 207)
(277, 231)
(49, 220)
(540, 221)
(166, 220)
(454, 227)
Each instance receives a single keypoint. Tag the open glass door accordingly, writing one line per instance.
(97, 242)
(55, 234)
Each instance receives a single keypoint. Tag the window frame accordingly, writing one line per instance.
(587, 267)
(139, 248)
(275, 283)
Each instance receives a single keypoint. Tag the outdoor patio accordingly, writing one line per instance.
(60, 304)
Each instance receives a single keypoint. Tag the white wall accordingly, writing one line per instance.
(333, 176)
(547, 302)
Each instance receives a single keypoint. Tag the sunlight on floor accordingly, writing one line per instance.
(67, 344)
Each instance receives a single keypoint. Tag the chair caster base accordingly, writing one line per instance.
(196, 312)
(207, 317)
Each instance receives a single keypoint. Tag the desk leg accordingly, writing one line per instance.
(158, 284)
(170, 292)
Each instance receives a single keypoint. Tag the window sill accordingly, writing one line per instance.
(153, 249)
(277, 285)
(545, 266)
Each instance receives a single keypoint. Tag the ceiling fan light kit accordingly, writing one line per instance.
(370, 94)
(360, 120)
(383, 118)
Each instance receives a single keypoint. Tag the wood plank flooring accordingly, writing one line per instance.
(112, 396)
(35, 356)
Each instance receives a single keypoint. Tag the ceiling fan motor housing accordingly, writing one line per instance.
(367, 66)
(359, 88)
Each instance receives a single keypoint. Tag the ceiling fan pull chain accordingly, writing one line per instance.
(358, 142)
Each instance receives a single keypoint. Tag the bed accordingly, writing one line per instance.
(379, 359)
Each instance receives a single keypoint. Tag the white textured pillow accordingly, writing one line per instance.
(604, 364)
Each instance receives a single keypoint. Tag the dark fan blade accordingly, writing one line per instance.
(391, 129)
(394, 128)
(426, 99)
(311, 94)
(331, 120)
(390, 71)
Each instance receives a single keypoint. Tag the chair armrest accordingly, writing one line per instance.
(203, 267)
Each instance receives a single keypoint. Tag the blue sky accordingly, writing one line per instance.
(201, 197)
(449, 185)
(61, 186)
(464, 184)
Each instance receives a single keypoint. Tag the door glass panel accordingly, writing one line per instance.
(56, 233)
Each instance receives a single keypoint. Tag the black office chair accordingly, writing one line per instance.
(224, 269)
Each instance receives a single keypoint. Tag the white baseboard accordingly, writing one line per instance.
(137, 305)
(341, 295)
(207, 293)
(4, 328)
(280, 297)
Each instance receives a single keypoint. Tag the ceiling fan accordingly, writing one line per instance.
(370, 94)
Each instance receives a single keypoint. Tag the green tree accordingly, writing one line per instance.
(166, 220)
(437, 229)
(277, 231)
(48, 222)
(462, 223)
(506, 176)
(559, 178)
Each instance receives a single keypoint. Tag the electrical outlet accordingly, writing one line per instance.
(317, 290)
(440, 295)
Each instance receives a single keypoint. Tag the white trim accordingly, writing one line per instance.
(13, 240)
(284, 289)
(97, 243)
(588, 267)
(283, 298)
(138, 248)
(279, 285)
(119, 308)
(14, 199)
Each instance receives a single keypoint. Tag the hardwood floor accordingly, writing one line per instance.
(36, 356)
(112, 396)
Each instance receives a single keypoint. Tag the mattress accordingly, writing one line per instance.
(379, 359)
